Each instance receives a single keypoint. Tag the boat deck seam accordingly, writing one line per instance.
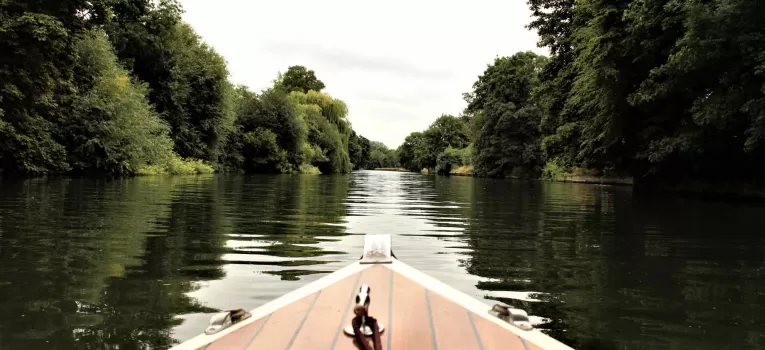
(523, 342)
(419, 314)
(265, 320)
(302, 322)
(430, 319)
(347, 307)
(475, 330)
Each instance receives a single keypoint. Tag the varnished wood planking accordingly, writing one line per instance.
(420, 320)
(379, 282)
(451, 324)
(327, 313)
(238, 338)
(280, 328)
(410, 328)
(495, 337)
(378, 279)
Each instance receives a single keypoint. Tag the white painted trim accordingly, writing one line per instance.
(535, 336)
(276, 304)
(432, 284)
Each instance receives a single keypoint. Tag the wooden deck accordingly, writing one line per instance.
(414, 318)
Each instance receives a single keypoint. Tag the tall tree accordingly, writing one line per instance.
(270, 134)
(328, 128)
(112, 128)
(188, 79)
(412, 152)
(509, 137)
(37, 78)
(706, 97)
(444, 132)
(555, 21)
(606, 75)
(34, 91)
(301, 79)
(359, 148)
(200, 80)
(381, 156)
(667, 91)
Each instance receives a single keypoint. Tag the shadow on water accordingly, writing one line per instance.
(104, 264)
(88, 264)
(610, 270)
(142, 263)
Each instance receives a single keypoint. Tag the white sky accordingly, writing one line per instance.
(398, 65)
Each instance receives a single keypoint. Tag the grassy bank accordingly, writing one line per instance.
(464, 170)
(177, 166)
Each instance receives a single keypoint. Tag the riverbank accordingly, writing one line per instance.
(469, 170)
(721, 191)
(392, 169)
(465, 170)
(601, 180)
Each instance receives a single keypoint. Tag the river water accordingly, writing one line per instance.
(142, 263)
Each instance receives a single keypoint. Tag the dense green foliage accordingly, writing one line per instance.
(299, 78)
(669, 92)
(359, 150)
(666, 91)
(268, 134)
(381, 156)
(410, 153)
(452, 158)
(124, 87)
(499, 131)
(292, 132)
(328, 131)
(112, 128)
(421, 150)
(67, 105)
(507, 132)
(37, 77)
(188, 80)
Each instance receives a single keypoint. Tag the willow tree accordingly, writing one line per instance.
(328, 129)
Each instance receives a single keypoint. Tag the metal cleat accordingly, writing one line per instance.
(223, 320)
(363, 299)
(515, 317)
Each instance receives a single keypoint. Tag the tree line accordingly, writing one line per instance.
(669, 92)
(666, 91)
(125, 87)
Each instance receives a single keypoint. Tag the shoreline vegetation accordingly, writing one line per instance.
(636, 92)
(126, 88)
(633, 91)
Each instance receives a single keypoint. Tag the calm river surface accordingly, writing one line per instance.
(142, 263)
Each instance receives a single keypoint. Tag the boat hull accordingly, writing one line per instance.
(416, 310)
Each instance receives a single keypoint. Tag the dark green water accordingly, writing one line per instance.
(141, 263)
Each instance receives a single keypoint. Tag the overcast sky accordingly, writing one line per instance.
(397, 64)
